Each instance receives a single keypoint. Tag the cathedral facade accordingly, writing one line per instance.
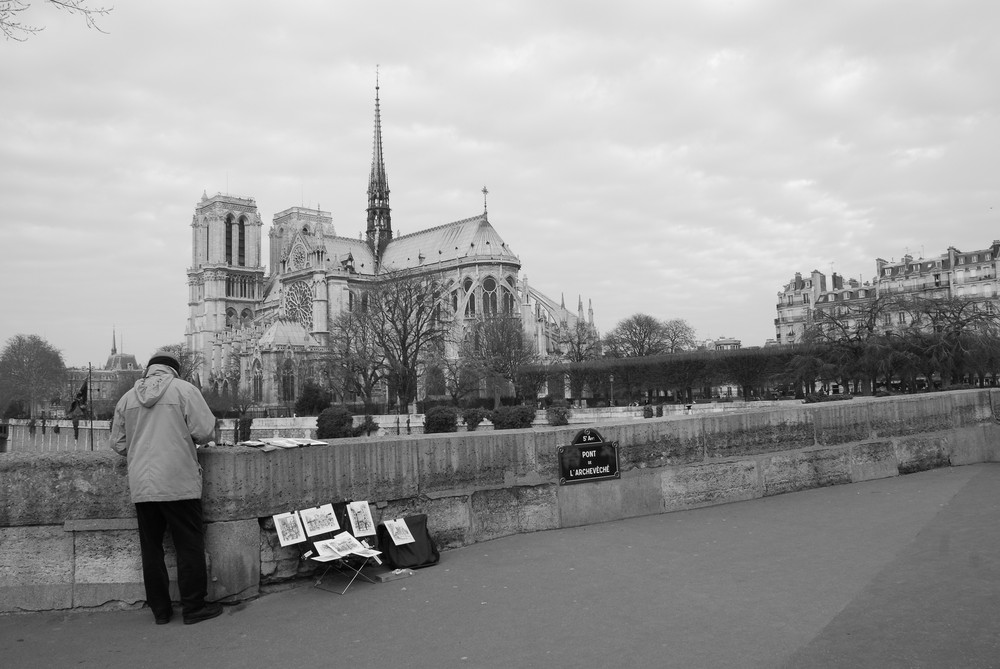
(262, 330)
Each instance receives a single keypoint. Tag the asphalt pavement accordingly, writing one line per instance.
(900, 572)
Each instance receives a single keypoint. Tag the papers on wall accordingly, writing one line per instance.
(281, 443)
(362, 524)
(399, 532)
(319, 520)
(289, 528)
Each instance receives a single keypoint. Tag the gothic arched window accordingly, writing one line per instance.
(258, 382)
(242, 251)
(490, 296)
(470, 305)
(287, 382)
(229, 239)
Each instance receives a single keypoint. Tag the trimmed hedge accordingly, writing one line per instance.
(441, 419)
(512, 418)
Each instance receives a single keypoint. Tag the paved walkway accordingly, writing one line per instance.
(902, 572)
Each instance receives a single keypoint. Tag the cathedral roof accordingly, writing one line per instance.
(283, 333)
(462, 240)
(339, 249)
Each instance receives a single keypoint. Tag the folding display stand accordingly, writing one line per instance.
(345, 568)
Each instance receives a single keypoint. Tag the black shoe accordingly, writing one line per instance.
(163, 620)
(206, 612)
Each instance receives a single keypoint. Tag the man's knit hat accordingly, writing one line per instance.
(167, 358)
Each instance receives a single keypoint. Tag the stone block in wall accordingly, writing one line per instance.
(841, 422)
(755, 433)
(663, 450)
(245, 483)
(589, 502)
(919, 453)
(902, 416)
(108, 563)
(811, 468)
(873, 460)
(278, 563)
(713, 483)
(502, 512)
(976, 444)
(36, 568)
(972, 407)
(448, 518)
(641, 492)
(463, 463)
(50, 488)
(233, 559)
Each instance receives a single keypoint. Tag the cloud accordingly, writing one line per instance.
(682, 160)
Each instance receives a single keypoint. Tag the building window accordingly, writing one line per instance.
(229, 239)
(287, 382)
(258, 382)
(490, 296)
(242, 257)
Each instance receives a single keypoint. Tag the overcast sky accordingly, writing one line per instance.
(681, 159)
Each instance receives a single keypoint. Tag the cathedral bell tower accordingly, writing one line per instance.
(379, 232)
(226, 278)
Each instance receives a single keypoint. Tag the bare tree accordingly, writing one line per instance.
(31, 371)
(191, 362)
(849, 331)
(461, 377)
(578, 342)
(637, 336)
(678, 335)
(405, 314)
(14, 28)
(950, 329)
(355, 362)
(498, 346)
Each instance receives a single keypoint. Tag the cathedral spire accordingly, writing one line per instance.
(114, 349)
(379, 232)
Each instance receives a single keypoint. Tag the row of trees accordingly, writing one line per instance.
(403, 328)
(891, 342)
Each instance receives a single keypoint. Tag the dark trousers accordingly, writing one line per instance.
(184, 520)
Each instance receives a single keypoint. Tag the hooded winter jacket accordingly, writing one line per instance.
(156, 425)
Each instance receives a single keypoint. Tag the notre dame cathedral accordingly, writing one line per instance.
(261, 329)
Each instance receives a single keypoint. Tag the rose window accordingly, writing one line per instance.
(298, 304)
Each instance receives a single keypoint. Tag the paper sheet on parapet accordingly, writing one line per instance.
(281, 442)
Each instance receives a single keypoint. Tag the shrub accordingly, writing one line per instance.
(473, 417)
(312, 400)
(335, 423)
(647, 411)
(558, 413)
(659, 411)
(812, 399)
(367, 426)
(243, 425)
(512, 418)
(15, 409)
(441, 419)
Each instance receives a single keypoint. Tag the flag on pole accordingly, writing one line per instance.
(80, 401)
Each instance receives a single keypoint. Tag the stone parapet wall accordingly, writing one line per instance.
(473, 486)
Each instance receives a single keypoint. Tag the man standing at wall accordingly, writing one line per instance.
(157, 425)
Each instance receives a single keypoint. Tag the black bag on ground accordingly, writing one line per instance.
(421, 553)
